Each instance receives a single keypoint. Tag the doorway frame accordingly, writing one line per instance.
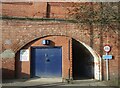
(31, 68)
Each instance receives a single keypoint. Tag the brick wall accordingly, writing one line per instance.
(8, 68)
(32, 9)
(18, 33)
(37, 9)
(23, 68)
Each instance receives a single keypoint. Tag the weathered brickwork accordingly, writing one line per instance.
(39, 9)
(23, 70)
(24, 9)
(18, 34)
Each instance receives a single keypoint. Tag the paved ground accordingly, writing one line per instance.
(53, 82)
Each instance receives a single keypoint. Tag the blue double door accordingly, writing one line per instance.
(46, 62)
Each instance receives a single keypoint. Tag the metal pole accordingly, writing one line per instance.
(107, 73)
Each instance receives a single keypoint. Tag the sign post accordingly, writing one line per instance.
(107, 70)
(107, 49)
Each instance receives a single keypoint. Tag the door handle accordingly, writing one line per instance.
(47, 60)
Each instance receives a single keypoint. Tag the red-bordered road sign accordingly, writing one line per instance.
(107, 48)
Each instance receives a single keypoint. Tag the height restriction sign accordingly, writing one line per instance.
(107, 48)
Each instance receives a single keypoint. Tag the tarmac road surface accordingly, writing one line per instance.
(54, 83)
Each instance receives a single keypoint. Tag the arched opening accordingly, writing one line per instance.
(77, 57)
(44, 60)
(86, 62)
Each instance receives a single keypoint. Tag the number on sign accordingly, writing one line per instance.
(107, 48)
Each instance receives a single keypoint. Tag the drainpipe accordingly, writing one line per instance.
(69, 76)
(48, 10)
(69, 59)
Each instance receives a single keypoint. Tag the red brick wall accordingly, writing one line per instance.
(17, 33)
(8, 68)
(23, 68)
(36, 9)
(33, 9)
(39, 9)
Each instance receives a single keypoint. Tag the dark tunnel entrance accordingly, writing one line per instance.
(83, 62)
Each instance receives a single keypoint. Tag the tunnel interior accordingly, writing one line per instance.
(83, 62)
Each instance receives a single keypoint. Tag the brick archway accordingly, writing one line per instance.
(63, 42)
(96, 57)
(29, 32)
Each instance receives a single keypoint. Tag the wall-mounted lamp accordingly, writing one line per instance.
(46, 42)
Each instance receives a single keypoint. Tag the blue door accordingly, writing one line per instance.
(46, 62)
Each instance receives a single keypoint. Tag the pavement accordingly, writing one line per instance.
(53, 83)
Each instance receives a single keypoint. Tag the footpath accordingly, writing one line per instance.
(54, 83)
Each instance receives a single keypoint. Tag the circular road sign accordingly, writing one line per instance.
(107, 48)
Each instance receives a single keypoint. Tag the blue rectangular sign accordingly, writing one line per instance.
(107, 56)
